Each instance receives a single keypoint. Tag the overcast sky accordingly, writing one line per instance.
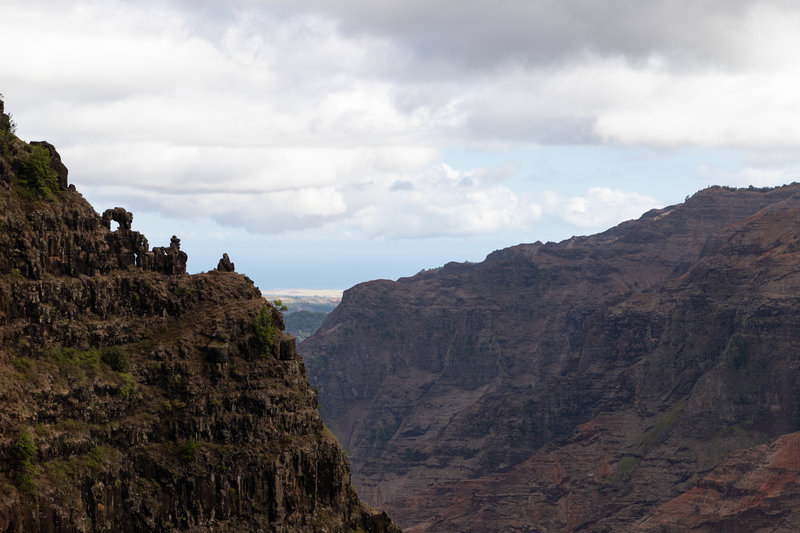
(322, 143)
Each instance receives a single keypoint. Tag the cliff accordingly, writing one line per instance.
(136, 397)
(581, 385)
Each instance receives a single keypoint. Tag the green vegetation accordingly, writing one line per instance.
(60, 470)
(174, 405)
(117, 358)
(24, 450)
(98, 456)
(35, 171)
(661, 426)
(86, 360)
(628, 463)
(21, 364)
(78, 367)
(184, 290)
(625, 467)
(264, 330)
(70, 425)
(190, 449)
(128, 385)
(737, 429)
(279, 305)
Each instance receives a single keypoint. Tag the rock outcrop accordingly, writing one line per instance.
(577, 386)
(225, 264)
(136, 397)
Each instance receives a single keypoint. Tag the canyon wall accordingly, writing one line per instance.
(575, 386)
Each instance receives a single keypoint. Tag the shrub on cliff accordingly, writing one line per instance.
(87, 361)
(35, 171)
(262, 325)
(189, 450)
(116, 358)
(24, 450)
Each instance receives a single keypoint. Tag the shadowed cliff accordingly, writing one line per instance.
(136, 397)
(575, 386)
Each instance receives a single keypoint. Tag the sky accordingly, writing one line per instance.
(321, 143)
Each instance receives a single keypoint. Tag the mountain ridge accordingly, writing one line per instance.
(617, 356)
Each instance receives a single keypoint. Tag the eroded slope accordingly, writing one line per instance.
(571, 386)
(136, 397)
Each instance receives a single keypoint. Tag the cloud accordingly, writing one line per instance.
(599, 207)
(476, 35)
(757, 176)
(264, 190)
(751, 110)
(283, 115)
(402, 185)
(440, 201)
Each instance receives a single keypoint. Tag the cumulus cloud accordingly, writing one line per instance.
(757, 176)
(548, 32)
(598, 207)
(440, 200)
(278, 115)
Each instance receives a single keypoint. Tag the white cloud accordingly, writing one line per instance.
(757, 176)
(599, 207)
(751, 111)
(436, 201)
(279, 116)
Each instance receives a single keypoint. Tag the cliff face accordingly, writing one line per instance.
(752, 490)
(136, 397)
(574, 386)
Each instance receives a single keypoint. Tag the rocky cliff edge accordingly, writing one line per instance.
(136, 397)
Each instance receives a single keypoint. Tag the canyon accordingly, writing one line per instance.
(640, 379)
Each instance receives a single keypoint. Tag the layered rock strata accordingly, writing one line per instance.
(573, 386)
(137, 397)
